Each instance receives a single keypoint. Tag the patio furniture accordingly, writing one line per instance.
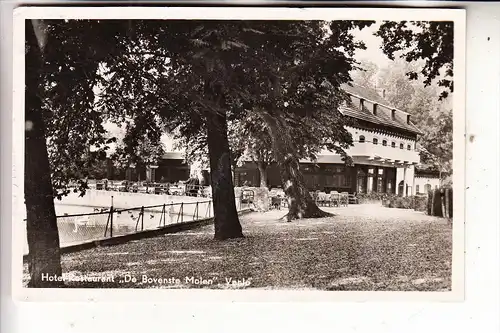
(344, 199)
(334, 199)
(353, 199)
(322, 198)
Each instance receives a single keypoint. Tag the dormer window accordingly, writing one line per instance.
(375, 141)
(401, 146)
(384, 143)
(362, 104)
(361, 139)
(393, 114)
(393, 144)
(375, 109)
(408, 119)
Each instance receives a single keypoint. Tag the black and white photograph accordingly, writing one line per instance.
(301, 150)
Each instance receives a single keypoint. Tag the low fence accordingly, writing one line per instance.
(111, 222)
(440, 203)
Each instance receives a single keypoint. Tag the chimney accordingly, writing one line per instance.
(407, 118)
(393, 114)
(375, 105)
(362, 104)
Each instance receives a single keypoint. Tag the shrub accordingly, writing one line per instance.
(411, 202)
(372, 197)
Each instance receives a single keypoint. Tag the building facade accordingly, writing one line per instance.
(426, 179)
(384, 152)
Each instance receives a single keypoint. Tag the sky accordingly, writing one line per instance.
(373, 44)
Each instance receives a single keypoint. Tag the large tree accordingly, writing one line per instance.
(43, 237)
(299, 97)
(285, 85)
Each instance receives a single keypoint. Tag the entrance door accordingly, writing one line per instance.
(400, 188)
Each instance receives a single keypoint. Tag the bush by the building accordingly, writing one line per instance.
(412, 202)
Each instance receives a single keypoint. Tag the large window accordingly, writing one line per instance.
(381, 180)
(393, 144)
(417, 189)
(375, 141)
(401, 146)
(408, 147)
(361, 139)
(337, 176)
(384, 143)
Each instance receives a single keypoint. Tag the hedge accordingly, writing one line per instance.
(417, 203)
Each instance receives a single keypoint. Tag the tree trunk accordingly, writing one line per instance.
(42, 232)
(262, 166)
(300, 201)
(226, 221)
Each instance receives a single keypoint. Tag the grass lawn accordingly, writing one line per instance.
(363, 247)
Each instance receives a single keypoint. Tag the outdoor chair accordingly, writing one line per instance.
(353, 199)
(334, 199)
(322, 198)
(344, 199)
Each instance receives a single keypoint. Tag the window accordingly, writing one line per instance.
(384, 143)
(375, 141)
(393, 144)
(361, 139)
(408, 147)
(427, 188)
(417, 189)
(401, 146)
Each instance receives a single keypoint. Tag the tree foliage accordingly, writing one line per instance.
(366, 74)
(437, 143)
(422, 40)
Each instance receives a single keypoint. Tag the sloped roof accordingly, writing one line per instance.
(384, 109)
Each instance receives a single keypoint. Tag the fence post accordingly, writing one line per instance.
(182, 212)
(443, 202)
(142, 218)
(179, 215)
(111, 214)
(163, 214)
(447, 202)
(111, 222)
(107, 224)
